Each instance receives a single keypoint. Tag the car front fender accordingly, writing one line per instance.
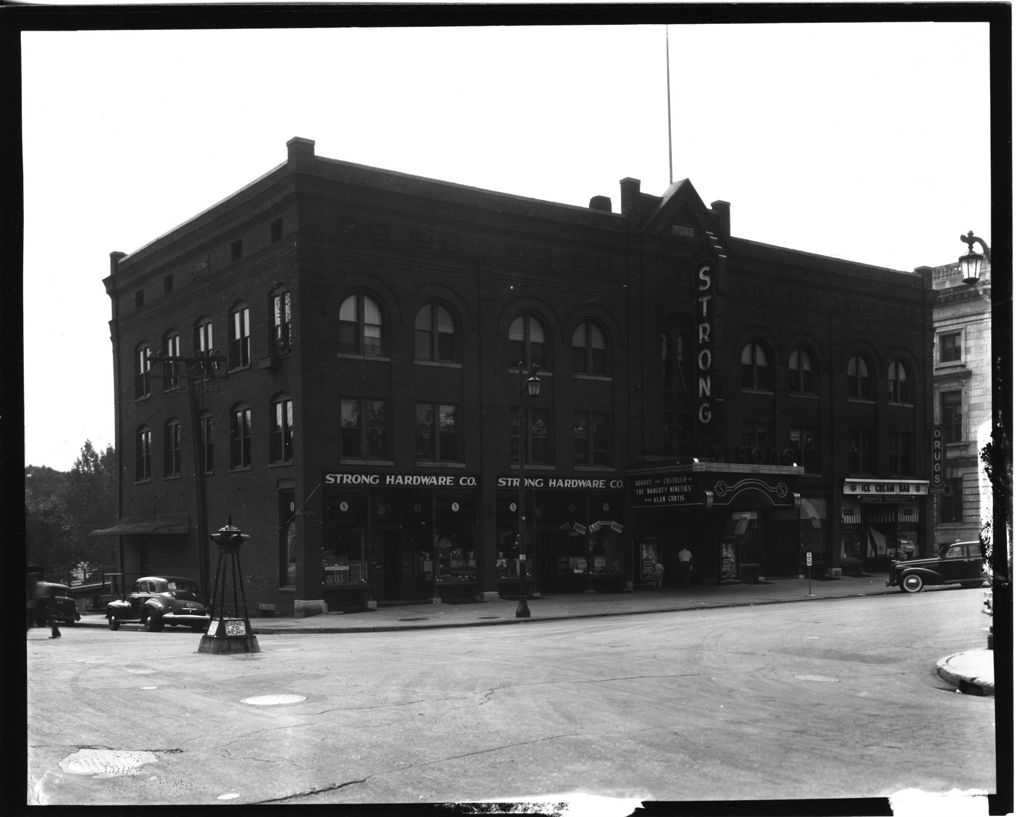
(119, 609)
(927, 575)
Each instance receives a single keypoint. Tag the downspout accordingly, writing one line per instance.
(115, 341)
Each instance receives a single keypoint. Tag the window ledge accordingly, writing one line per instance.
(439, 464)
(805, 395)
(281, 464)
(440, 364)
(355, 356)
(748, 390)
(360, 461)
(238, 469)
(168, 477)
(864, 401)
(601, 378)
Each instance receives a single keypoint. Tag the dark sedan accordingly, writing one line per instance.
(959, 563)
(156, 601)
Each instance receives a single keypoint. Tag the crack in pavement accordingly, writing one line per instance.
(312, 792)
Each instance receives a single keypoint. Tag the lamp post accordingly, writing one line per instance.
(970, 264)
(532, 388)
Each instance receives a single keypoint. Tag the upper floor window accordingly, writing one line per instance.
(206, 441)
(589, 349)
(142, 368)
(276, 230)
(803, 378)
(860, 381)
(527, 341)
(803, 448)
(590, 430)
(363, 428)
(361, 326)
(281, 307)
(236, 250)
(282, 430)
(241, 437)
(755, 368)
(438, 436)
(143, 454)
(900, 390)
(861, 451)
(436, 337)
(949, 347)
(952, 418)
(171, 368)
(951, 501)
(172, 448)
(238, 346)
(539, 444)
(901, 452)
(202, 336)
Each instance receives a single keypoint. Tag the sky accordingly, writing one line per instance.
(838, 139)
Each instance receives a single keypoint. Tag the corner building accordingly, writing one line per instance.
(362, 415)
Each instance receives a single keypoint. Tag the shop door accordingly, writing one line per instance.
(392, 565)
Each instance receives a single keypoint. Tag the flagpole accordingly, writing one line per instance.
(668, 94)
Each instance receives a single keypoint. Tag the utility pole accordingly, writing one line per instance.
(198, 370)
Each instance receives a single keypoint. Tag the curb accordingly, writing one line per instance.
(967, 671)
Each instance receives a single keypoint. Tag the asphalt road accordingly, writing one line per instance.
(837, 698)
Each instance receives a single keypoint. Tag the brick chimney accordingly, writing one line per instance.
(299, 150)
(601, 203)
(721, 211)
(630, 195)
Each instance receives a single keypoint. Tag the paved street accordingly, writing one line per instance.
(836, 698)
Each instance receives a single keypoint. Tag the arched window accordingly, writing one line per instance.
(171, 368)
(202, 336)
(142, 367)
(436, 336)
(361, 326)
(172, 448)
(238, 345)
(527, 341)
(860, 381)
(143, 454)
(241, 437)
(755, 368)
(803, 376)
(589, 349)
(900, 385)
(282, 429)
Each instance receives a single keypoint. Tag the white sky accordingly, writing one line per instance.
(839, 139)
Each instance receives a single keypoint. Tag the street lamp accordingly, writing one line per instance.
(970, 264)
(532, 388)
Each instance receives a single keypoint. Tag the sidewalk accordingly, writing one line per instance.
(969, 671)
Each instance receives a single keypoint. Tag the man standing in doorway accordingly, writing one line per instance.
(685, 561)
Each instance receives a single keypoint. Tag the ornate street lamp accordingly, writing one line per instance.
(970, 264)
(530, 388)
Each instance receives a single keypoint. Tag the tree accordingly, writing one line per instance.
(62, 507)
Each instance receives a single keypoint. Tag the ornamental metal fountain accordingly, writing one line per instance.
(230, 630)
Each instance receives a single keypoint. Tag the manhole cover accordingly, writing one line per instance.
(822, 678)
(273, 700)
(416, 618)
(106, 762)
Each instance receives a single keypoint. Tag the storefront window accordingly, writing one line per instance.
(851, 547)
(812, 525)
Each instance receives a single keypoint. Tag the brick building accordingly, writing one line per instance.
(363, 423)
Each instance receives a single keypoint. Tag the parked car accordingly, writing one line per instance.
(156, 601)
(958, 563)
(57, 600)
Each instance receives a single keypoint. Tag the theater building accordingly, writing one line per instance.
(335, 357)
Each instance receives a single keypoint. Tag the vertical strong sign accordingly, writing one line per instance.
(705, 291)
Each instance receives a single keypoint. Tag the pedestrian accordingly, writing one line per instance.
(685, 562)
(46, 607)
(657, 574)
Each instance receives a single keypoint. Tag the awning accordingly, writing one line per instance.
(173, 524)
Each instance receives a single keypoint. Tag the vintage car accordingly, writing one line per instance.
(156, 601)
(55, 598)
(959, 563)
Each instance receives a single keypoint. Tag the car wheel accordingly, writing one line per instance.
(911, 583)
(113, 623)
(152, 624)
